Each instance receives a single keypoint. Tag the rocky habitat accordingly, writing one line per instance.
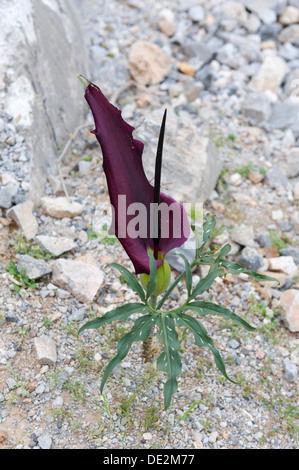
(228, 74)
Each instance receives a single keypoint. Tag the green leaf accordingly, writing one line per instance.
(188, 274)
(150, 288)
(121, 313)
(206, 282)
(206, 308)
(202, 339)
(140, 331)
(223, 252)
(236, 268)
(208, 226)
(131, 280)
(169, 360)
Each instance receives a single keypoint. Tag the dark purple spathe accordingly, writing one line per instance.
(122, 164)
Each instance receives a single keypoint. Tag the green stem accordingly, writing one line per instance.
(147, 344)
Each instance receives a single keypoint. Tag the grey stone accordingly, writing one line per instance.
(234, 344)
(257, 108)
(284, 116)
(34, 268)
(276, 178)
(291, 251)
(77, 314)
(44, 96)
(256, 5)
(204, 53)
(264, 239)
(290, 165)
(251, 258)
(196, 13)
(248, 46)
(7, 193)
(193, 177)
(176, 261)
(267, 15)
(244, 236)
(290, 370)
(45, 441)
(84, 167)
(11, 383)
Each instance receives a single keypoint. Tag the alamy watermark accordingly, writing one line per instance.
(158, 220)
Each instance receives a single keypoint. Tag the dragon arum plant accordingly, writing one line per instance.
(162, 225)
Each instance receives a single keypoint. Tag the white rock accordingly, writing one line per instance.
(80, 279)
(296, 190)
(167, 22)
(290, 34)
(236, 179)
(22, 214)
(277, 214)
(283, 264)
(289, 301)
(148, 63)
(213, 437)
(271, 74)
(56, 245)
(290, 15)
(60, 207)
(45, 350)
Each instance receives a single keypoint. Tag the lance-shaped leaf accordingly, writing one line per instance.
(131, 280)
(205, 283)
(236, 268)
(121, 313)
(140, 331)
(129, 189)
(202, 339)
(188, 274)
(209, 308)
(169, 360)
(209, 224)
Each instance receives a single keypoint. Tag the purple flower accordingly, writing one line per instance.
(130, 191)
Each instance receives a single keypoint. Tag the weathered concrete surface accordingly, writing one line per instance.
(41, 53)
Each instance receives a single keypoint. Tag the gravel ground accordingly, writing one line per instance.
(59, 405)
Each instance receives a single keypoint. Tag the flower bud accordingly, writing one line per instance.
(163, 279)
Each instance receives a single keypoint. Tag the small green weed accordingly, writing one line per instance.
(104, 237)
(277, 241)
(21, 279)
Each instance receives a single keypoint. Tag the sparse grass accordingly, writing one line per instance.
(103, 237)
(22, 280)
(25, 247)
(276, 240)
